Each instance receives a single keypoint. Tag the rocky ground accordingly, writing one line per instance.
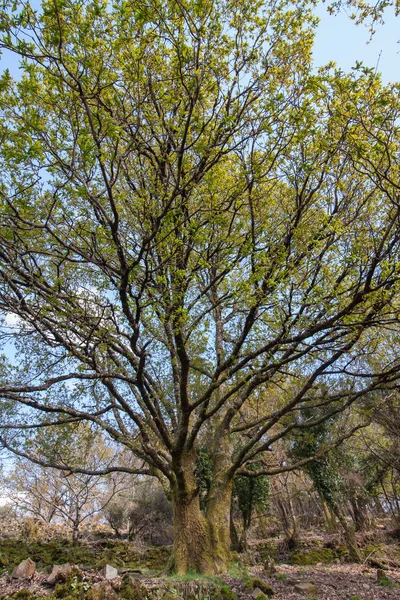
(335, 582)
(327, 582)
(133, 574)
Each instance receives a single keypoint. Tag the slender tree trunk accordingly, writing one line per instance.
(234, 533)
(75, 534)
(349, 534)
(329, 517)
(293, 518)
(243, 546)
(284, 517)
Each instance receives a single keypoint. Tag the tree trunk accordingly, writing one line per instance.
(349, 534)
(219, 521)
(201, 542)
(358, 514)
(75, 534)
(293, 518)
(329, 517)
(234, 533)
(192, 548)
(284, 517)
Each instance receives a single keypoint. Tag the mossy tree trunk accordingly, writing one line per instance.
(219, 521)
(201, 541)
(192, 544)
(235, 546)
(331, 526)
(349, 534)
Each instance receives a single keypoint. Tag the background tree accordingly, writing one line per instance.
(378, 449)
(327, 479)
(196, 231)
(252, 495)
(54, 495)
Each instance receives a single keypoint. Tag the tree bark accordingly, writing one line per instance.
(329, 517)
(219, 521)
(234, 534)
(201, 541)
(192, 547)
(349, 534)
(75, 534)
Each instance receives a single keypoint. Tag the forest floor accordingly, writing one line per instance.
(328, 577)
(336, 582)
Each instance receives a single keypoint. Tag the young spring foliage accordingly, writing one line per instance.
(197, 231)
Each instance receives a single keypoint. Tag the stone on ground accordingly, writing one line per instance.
(257, 594)
(59, 573)
(262, 585)
(110, 572)
(103, 591)
(306, 587)
(25, 569)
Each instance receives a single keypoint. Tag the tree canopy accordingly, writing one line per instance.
(199, 236)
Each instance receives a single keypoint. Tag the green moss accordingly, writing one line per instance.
(342, 551)
(227, 594)
(257, 582)
(312, 557)
(23, 594)
(268, 550)
(73, 588)
(12, 552)
(131, 589)
(386, 582)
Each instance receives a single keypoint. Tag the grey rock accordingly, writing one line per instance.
(59, 573)
(25, 569)
(257, 593)
(110, 572)
(306, 587)
(103, 591)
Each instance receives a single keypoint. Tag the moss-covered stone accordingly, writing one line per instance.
(260, 596)
(313, 557)
(73, 588)
(259, 583)
(132, 589)
(57, 552)
(227, 593)
(102, 591)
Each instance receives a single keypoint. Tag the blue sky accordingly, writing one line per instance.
(340, 39)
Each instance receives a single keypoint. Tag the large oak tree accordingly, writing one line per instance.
(199, 236)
